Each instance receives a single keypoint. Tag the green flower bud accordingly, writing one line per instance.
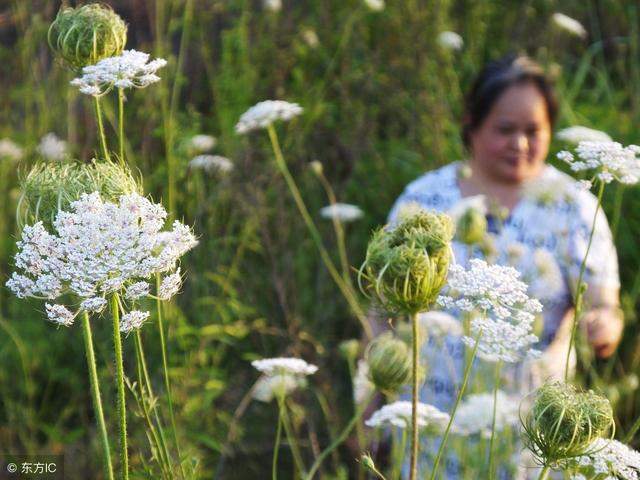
(349, 349)
(316, 167)
(406, 266)
(367, 463)
(563, 422)
(471, 227)
(85, 35)
(51, 186)
(389, 363)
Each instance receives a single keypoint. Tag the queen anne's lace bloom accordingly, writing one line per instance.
(52, 147)
(343, 212)
(398, 414)
(450, 40)
(610, 457)
(578, 133)
(202, 143)
(284, 365)
(133, 320)
(265, 113)
(505, 313)
(93, 304)
(608, 160)
(170, 285)
(137, 290)
(362, 386)
(569, 25)
(98, 248)
(9, 149)
(439, 324)
(375, 5)
(211, 163)
(475, 414)
(130, 69)
(269, 386)
(59, 314)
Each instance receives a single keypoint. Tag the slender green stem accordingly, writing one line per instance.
(276, 448)
(493, 421)
(345, 432)
(413, 472)
(579, 287)
(122, 412)
(315, 235)
(397, 462)
(121, 124)
(95, 393)
(167, 383)
(544, 473)
(465, 379)
(103, 138)
(291, 439)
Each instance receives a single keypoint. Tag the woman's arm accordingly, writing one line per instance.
(603, 321)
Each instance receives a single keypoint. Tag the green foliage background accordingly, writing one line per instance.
(382, 104)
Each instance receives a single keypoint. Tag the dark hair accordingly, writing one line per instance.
(496, 77)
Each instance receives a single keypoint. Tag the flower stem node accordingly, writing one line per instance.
(406, 265)
(389, 363)
(82, 36)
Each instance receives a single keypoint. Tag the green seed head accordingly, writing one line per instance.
(406, 266)
(471, 227)
(349, 349)
(51, 186)
(563, 422)
(85, 35)
(389, 363)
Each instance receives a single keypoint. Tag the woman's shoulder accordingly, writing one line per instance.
(442, 178)
(567, 189)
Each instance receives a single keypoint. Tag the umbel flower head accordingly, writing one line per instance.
(607, 161)
(610, 458)
(475, 415)
(281, 376)
(406, 265)
(49, 187)
(82, 36)
(389, 362)
(130, 69)
(99, 248)
(265, 113)
(398, 414)
(563, 422)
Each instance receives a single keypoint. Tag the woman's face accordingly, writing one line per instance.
(511, 144)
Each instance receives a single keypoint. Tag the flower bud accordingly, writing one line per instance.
(316, 167)
(563, 422)
(349, 349)
(471, 227)
(367, 463)
(406, 265)
(82, 36)
(389, 363)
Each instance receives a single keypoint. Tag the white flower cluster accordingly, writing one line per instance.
(269, 386)
(398, 414)
(450, 40)
(130, 69)
(344, 212)
(611, 458)
(52, 147)
(475, 414)
(265, 113)
(284, 365)
(375, 5)
(202, 142)
(578, 133)
(99, 248)
(272, 5)
(505, 313)
(9, 149)
(362, 386)
(609, 160)
(569, 25)
(211, 163)
(439, 324)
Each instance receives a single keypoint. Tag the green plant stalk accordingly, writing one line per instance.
(103, 138)
(95, 394)
(465, 379)
(579, 289)
(343, 435)
(315, 235)
(121, 125)
(122, 412)
(167, 383)
(397, 462)
(413, 471)
(544, 473)
(276, 447)
(493, 421)
(144, 384)
(288, 430)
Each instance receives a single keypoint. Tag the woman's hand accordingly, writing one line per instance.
(603, 327)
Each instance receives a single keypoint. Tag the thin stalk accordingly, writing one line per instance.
(397, 462)
(544, 473)
(291, 439)
(95, 394)
(122, 412)
(493, 422)
(352, 423)
(315, 235)
(617, 210)
(103, 138)
(413, 471)
(167, 384)
(121, 124)
(274, 463)
(465, 379)
(579, 289)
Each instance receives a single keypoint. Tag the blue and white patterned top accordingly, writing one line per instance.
(545, 237)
